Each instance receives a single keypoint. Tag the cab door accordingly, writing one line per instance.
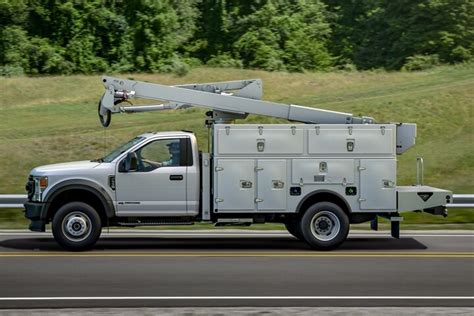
(158, 186)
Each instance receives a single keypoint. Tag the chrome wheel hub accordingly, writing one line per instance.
(76, 226)
(325, 226)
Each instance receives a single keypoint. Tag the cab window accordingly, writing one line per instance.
(160, 153)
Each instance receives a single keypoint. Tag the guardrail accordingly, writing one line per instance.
(12, 200)
(17, 200)
(462, 201)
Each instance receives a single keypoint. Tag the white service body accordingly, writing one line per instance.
(257, 165)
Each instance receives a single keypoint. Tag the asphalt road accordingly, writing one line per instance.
(234, 268)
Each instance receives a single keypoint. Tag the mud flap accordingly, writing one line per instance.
(395, 226)
(374, 224)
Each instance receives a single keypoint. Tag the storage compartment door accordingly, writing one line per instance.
(378, 184)
(323, 171)
(252, 140)
(350, 141)
(235, 185)
(272, 186)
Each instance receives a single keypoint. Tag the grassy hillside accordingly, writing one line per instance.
(54, 119)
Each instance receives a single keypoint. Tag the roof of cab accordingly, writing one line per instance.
(173, 133)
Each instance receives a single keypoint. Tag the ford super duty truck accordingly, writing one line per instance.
(317, 174)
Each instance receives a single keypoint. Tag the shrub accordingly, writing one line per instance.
(8, 71)
(224, 60)
(420, 62)
(174, 65)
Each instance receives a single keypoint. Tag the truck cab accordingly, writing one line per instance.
(158, 176)
(153, 174)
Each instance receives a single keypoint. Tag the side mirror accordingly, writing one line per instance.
(131, 162)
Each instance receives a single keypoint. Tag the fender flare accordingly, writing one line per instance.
(79, 184)
(323, 191)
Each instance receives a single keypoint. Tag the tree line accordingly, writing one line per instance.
(96, 36)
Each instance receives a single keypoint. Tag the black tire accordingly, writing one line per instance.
(293, 228)
(324, 226)
(76, 226)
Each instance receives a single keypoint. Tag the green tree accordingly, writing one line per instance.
(86, 36)
(384, 33)
(158, 30)
(289, 35)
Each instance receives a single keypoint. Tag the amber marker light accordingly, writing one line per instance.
(43, 182)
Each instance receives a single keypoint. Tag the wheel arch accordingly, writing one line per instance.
(78, 190)
(323, 196)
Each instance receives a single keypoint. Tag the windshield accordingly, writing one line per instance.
(120, 150)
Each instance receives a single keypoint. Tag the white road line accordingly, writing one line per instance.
(101, 298)
(105, 236)
(157, 234)
(268, 235)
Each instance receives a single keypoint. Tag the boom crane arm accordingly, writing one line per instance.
(229, 100)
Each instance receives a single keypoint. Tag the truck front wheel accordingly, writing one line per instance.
(324, 226)
(76, 226)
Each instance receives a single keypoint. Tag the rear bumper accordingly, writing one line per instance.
(413, 198)
(34, 212)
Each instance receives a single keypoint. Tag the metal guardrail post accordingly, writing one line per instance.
(419, 171)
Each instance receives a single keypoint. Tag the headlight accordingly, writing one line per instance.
(41, 183)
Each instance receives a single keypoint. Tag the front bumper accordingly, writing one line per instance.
(34, 212)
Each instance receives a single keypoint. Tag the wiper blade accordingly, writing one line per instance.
(98, 160)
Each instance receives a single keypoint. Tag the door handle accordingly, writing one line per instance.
(176, 177)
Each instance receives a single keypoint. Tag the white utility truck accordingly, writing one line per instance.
(317, 174)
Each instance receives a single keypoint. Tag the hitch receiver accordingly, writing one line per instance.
(438, 210)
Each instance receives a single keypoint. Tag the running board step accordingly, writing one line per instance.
(234, 222)
(153, 221)
(154, 224)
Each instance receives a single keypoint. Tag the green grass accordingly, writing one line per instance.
(54, 119)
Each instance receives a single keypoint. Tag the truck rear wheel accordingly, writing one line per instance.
(324, 226)
(76, 226)
(293, 228)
